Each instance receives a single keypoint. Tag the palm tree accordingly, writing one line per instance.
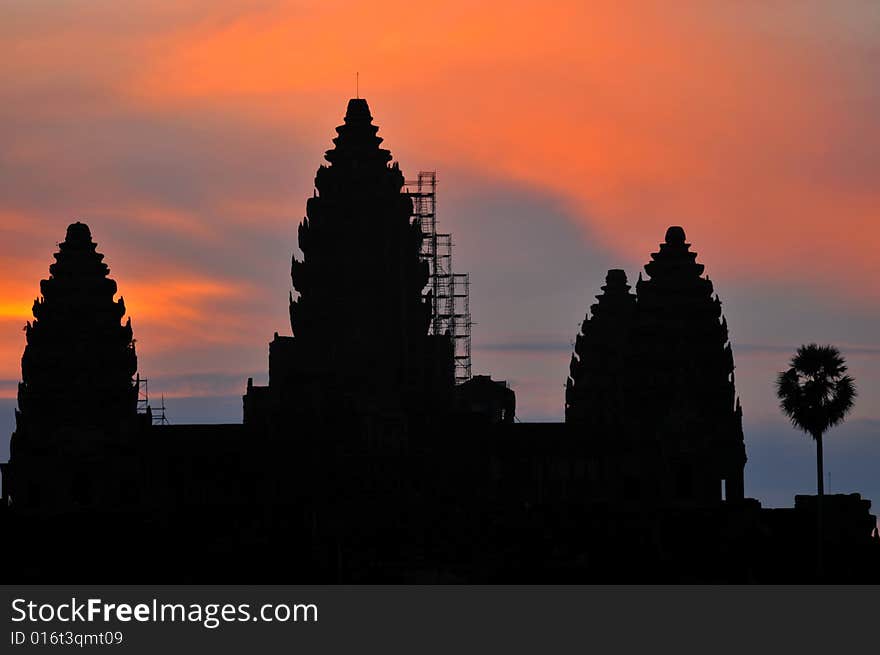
(816, 394)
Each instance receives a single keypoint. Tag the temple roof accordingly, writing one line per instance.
(674, 260)
(357, 138)
(79, 360)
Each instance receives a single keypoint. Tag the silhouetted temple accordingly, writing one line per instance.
(602, 371)
(362, 460)
(360, 344)
(654, 371)
(77, 399)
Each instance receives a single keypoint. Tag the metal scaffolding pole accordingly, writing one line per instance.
(450, 291)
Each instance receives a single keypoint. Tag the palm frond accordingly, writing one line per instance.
(842, 400)
(813, 392)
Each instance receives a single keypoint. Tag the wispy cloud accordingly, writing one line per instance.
(526, 346)
(846, 349)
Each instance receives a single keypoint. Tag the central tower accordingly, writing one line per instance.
(360, 322)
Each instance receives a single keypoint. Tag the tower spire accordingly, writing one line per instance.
(359, 320)
(79, 361)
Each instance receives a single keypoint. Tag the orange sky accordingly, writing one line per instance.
(751, 123)
(734, 119)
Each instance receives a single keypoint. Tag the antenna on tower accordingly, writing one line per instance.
(357, 85)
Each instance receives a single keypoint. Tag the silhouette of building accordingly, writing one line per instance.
(77, 401)
(362, 460)
(654, 372)
(602, 376)
(360, 343)
(688, 399)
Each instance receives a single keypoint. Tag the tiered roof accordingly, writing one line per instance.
(601, 366)
(360, 321)
(79, 360)
(653, 373)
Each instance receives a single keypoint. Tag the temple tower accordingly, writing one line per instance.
(360, 323)
(79, 361)
(687, 398)
(652, 378)
(77, 401)
(601, 376)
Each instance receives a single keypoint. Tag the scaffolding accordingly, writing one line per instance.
(156, 414)
(450, 291)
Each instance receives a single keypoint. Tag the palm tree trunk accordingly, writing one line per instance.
(820, 501)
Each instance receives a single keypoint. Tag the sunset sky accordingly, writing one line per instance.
(566, 135)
